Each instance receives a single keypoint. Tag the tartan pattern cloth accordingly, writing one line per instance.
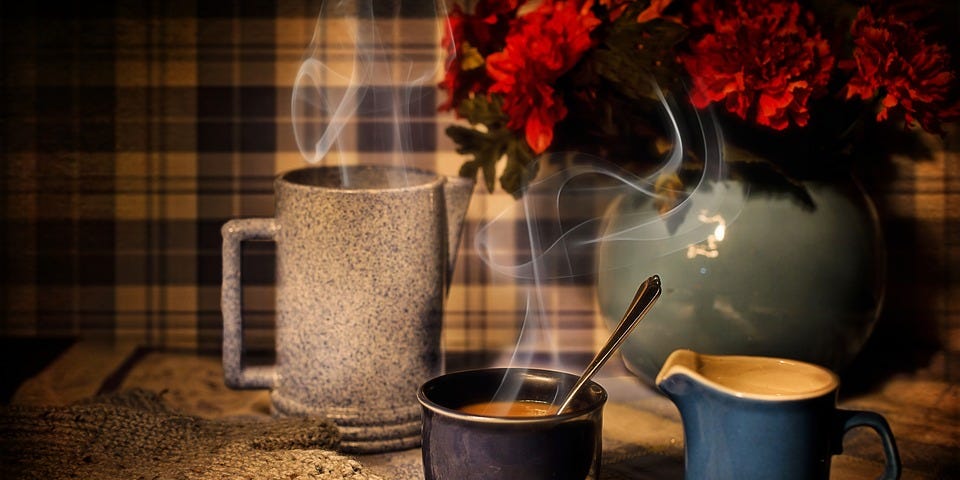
(133, 130)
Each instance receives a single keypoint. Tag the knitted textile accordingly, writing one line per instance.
(133, 435)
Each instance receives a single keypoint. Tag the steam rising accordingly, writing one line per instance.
(545, 204)
(555, 241)
(366, 56)
(364, 61)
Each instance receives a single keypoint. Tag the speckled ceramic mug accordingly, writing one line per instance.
(363, 255)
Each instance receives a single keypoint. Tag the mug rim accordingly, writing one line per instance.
(486, 419)
(433, 179)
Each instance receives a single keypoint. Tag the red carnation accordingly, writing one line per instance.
(761, 59)
(914, 76)
(468, 39)
(540, 47)
(614, 8)
(654, 10)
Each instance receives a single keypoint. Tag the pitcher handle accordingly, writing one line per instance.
(850, 419)
(234, 232)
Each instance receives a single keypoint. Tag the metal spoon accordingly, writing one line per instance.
(646, 295)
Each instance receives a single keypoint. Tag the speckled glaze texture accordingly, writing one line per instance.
(362, 265)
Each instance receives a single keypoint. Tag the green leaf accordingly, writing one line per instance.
(488, 144)
(481, 110)
(634, 53)
(485, 148)
(469, 169)
(520, 168)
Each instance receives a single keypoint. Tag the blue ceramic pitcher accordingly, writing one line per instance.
(747, 417)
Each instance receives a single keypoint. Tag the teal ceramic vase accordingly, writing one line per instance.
(746, 274)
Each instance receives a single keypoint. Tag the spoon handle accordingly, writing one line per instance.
(646, 295)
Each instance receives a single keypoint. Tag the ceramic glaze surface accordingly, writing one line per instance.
(737, 428)
(773, 278)
(757, 377)
(362, 262)
(464, 446)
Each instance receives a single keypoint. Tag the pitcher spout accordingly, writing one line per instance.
(680, 374)
(457, 192)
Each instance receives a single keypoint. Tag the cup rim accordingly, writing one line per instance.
(433, 179)
(473, 418)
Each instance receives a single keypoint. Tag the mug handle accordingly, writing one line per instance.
(234, 232)
(850, 419)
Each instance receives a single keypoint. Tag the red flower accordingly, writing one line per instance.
(761, 59)
(615, 8)
(468, 39)
(540, 47)
(655, 10)
(914, 76)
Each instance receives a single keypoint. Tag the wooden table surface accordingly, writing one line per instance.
(642, 433)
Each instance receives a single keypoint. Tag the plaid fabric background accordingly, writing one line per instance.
(133, 130)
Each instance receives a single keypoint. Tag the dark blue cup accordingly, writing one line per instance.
(463, 446)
